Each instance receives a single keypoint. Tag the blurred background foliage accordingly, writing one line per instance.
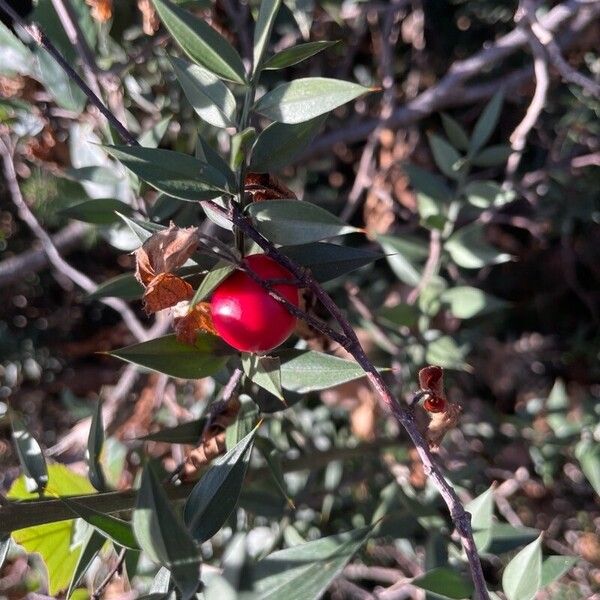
(509, 303)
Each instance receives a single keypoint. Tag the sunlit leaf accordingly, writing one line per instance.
(30, 456)
(467, 302)
(262, 30)
(468, 248)
(522, 577)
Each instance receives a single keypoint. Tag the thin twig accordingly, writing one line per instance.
(116, 568)
(40, 38)
(518, 139)
(349, 340)
(57, 261)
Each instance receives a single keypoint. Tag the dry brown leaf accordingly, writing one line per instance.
(165, 251)
(101, 10)
(166, 290)
(441, 423)
(262, 186)
(150, 22)
(198, 318)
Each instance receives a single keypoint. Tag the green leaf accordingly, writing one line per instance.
(186, 433)
(262, 30)
(173, 173)
(4, 545)
(428, 183)
(206, 153)
(444, 582)
(162, 535)
(124, 286)
(467, 302)
(273, 458)
(214, 497)
(213, 278)
(484, 194)
(401, 315)
(554, 567)
(90, 548)
(169, 356)
(153, 136)
(492, 156)
(328, 261)
(94, 174)
(30, 456)
(587, 453)
(455, 132)
(486, 123)
(114, 529)
(296, 222)
(468, 248)
(264, 371)
(404, 255)
(506, 538)
(244, 423)
(201, 42)
(445, 352)
(101, 211)
(240, 146)
(209, 96)
(94, 449)
(304, 371)
(53, 541)
(280, 144)
(522, 577)
(306, 570)
(482, 518)
(304, 99)
(295, 54)
(447, 159)
(16, 57)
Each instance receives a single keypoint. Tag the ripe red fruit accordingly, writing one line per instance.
(245, 315)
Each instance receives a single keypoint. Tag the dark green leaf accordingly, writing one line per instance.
(101, 211)
(522, 577)
(201, 42)
(168, 355)
(124, 286)
(306, 371)
(447, 159)
(173, 173)
(114, 529)
(214, 497)
(262, 30)
(213, 278)
(273, 458)
(554, 567)
(505, 537)
(304, 99)
(91, 546)
(280, 144)
(484, 194)
(240, 146)
(186, 433)
(30, 456)
(94, 174)
(296, 222)
(428, 183)
(307, 570)
(455, 132)
(209, 96)
(244, 423)
(492, 156)
(94, 449)
(295, 54)
(328, 261)
(399, 315)
(206, 153)
(486, 123)
(162, 535)
(468, 248)
(445, 582)
(467, 302)
(265, 372)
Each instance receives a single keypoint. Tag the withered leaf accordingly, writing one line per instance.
(166, 290)
(262, 186)
(441, 423)
(198, 318)
(165, 251)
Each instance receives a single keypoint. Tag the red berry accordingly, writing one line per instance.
(245, 315)
(434, 404)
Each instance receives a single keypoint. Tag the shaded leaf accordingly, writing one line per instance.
(262, 30)
(98, 212)
(492, 156)
(295, 54)
(554, 567)
(484, 194)
(445, 352)
(447, 159)
(404, 255)
(167, 355)
(162, 535)
(213, 278)
(468, 248)
(587, 453)
(94, 449)
(173, 173)
(206, 153)
(30, 456)
(153, 136)
(264, 371)
(399, 315)
(123, 286)
(90, 547)
(214, 497)
(280, 144)
(487, 122)
(296, 222)
(208, 95)
(455, 132)
(304, 99)
(444, 582)
(466, 302)
(201, 42)
(186, 433)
